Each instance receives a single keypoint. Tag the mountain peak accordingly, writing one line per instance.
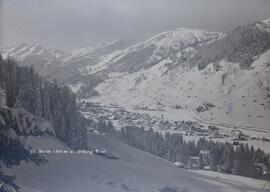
(182, 36)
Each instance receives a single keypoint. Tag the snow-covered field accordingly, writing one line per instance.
(133, 171)
(233, 183)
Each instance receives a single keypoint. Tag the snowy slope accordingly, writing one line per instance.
(134, 171)
(176, 45)
(240, 96)
(58, 64)
(230, 89)
(24, 51)
(45, 61)
(225, 180)
(169, 48)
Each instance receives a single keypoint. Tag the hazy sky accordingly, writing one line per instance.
(77, 23)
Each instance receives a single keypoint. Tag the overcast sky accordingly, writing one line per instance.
(78, 23)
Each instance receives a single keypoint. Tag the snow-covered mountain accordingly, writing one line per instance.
(239, 96)
(183, 74)
(190, 68)
(169, 48)
(46, 61)
(176, 45)
(24, 51)
(58, 64)
(211, 78)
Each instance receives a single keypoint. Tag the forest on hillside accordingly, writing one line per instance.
(52, 101)
(31, 106)
(241, 160)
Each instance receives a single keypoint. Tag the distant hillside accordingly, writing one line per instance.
(57, 64)
(241, 45)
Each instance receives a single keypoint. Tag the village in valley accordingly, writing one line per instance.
(191, 130)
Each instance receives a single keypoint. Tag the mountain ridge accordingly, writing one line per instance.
(185, 68)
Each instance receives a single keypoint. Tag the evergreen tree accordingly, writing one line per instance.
(54, 102)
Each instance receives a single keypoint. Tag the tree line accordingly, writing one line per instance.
(241, 160)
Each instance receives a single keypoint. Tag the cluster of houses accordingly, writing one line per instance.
(121, 117)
